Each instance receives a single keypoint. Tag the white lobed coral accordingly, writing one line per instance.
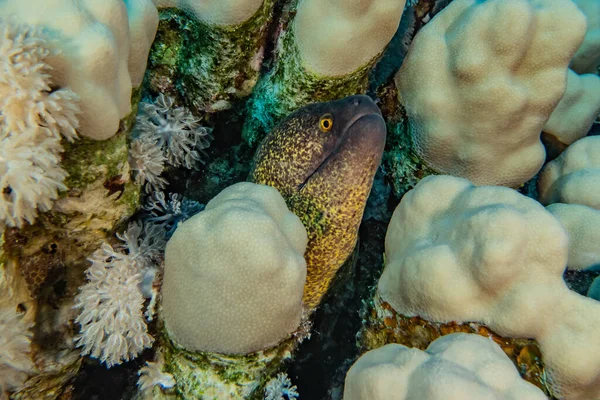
(481, 79)
(577, 110)
(454, 367)
(587, 58)
(326, 30)
(95, 47)
(33, 119)
(574, 176)
(235, 272)
(570, 186)
(457, 252)
(15, 343)
(111, 302)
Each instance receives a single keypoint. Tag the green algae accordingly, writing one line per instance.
(289, 86)
(401, 164)
(209, 67)
(84, 158)
(207, 376)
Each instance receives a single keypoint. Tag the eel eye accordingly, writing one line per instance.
(326, 123)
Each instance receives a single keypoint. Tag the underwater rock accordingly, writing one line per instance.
(208, 65)
(323, 159)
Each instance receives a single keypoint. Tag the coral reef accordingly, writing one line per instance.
(456, 252)
(453, 367)
(218, 290)
(15, 343)
(569, 187)
(577, 110)
(475, 91)
(94, 53)
(587, 58)
(212, 60)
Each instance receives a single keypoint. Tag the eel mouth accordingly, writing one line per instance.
(364, 135)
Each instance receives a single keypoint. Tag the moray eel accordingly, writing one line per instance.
(322, 159)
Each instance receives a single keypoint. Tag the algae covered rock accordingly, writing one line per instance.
(208, 64)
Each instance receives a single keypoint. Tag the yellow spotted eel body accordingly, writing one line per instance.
(322, 159)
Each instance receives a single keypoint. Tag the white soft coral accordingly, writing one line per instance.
(15, 343)
(32, 119)
(111, 302)
(112, 325)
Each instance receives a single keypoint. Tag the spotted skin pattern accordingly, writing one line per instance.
(325, 176)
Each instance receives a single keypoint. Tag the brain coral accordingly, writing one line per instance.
(454, 367)
(457, 252)
(94, 52)
(480, 81)
(235, 273)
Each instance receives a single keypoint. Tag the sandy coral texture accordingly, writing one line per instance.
(454, 367)
(235, 273)
(95, 47)
(570, 186)
(326, 30)
(457, 252)
(577, 110)
(587, 58)
(480, 81)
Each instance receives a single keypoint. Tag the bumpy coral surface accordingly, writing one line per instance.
(570, 186)
(573, 177)
(234, 273)
(33, 119)
(325, 31)
(111, 302)
(94, 52)
(587, 58)
(456, 252)
(322, 159)
(577, 110)
(143, 22)
(454, 367)
(480, 81)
